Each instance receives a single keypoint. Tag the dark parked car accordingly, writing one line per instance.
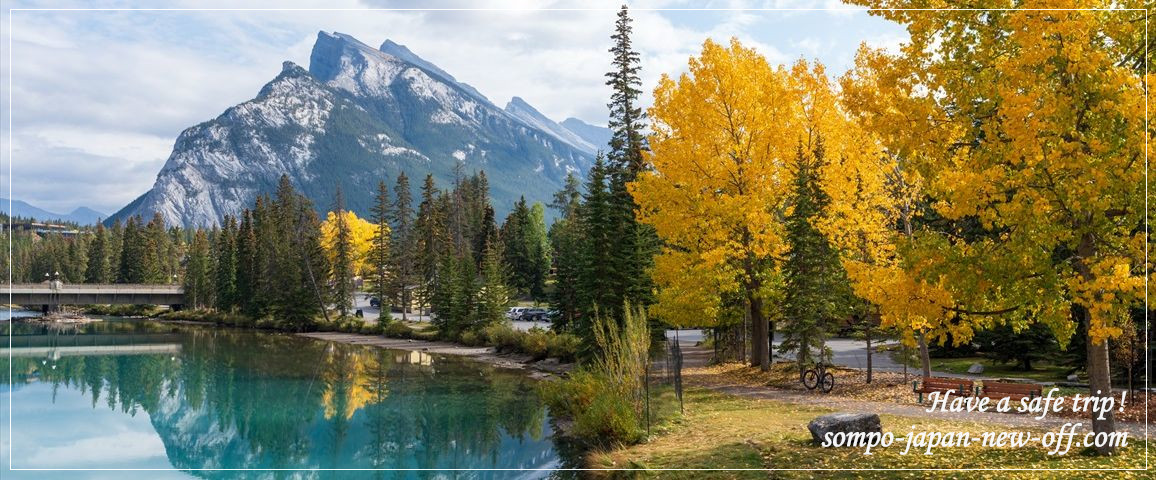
(374, 302)
(533, 315)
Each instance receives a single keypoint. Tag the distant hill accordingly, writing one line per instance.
(593, 134)
(81, 215)
(356, 116)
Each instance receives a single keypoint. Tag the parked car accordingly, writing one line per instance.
(374, 302)
(515, 313)
(533, 315)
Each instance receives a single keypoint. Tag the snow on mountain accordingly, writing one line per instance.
(595, 135)
(533, 118)
(359, 115)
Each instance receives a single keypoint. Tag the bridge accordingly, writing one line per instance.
(52, 294)
(56, 345)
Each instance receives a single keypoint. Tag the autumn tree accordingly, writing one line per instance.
(718, 182)
(1027, 123)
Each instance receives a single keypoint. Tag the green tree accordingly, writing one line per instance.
(342, 259)
(379, 253)
(198, 276)
(97, 270)
(403, 255)
(225, 265)
(565, 242)
(817, 290)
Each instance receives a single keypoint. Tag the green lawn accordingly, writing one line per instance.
(724, 431)
(1041, 371)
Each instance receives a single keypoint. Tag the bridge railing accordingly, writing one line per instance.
(95, 288)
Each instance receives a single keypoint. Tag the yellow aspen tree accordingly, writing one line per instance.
(361, 238)
(715, 183)
(1030, 131)
(718, 181)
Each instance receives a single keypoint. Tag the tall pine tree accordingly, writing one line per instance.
(381, 283)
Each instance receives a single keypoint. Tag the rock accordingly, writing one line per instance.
(975, 368)
(1073, 378)
(844, 422)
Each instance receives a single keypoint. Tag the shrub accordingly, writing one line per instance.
(471, 338)
(503, 337)
(397, 330)
(605, 397)
(564, 347)
(535, 343)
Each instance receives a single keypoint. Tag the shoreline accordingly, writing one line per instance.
(541, 369)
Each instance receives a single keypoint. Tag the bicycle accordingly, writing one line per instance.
(818, 377)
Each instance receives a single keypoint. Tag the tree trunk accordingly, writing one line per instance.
(1099, 369)
(1100, 383)
(770, 342)
(924, 355)
(868, 336)
(760, 353)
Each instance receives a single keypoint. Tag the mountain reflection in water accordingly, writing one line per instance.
(122, 394)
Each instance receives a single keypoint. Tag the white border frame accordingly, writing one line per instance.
(1144, 82)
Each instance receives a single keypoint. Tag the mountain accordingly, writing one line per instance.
(81, 215)
(534, 119)
(592, 134)
(358, 115)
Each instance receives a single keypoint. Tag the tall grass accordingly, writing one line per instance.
(606, 396)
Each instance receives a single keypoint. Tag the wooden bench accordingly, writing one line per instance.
(961, 386)
(1015, 391)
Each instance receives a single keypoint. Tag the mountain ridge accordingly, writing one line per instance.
(357, 115)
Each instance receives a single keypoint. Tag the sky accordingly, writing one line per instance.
(94, 100)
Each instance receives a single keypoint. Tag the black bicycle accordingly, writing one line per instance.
(819, 377)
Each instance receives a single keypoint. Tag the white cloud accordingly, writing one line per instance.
(107, 87)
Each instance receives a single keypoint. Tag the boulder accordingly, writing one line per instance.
(975, 368)
(843, 422)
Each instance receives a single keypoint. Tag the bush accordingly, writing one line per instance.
(599, 418)
(397, 330)
(503, 337)
(605, 397)
(471, 338)
(564, 347)
(535, 343)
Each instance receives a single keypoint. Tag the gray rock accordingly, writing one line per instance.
(843, 422)
(1073, 378)
(975, 368)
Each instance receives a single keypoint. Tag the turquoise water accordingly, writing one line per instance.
(145, 395)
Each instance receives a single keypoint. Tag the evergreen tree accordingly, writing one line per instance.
(225, 265)
(515, 247)
(565, 242)
(246, 266)
(131, 263)
(343, 259)
(115, 241)
(429, 238)
(632, 245)
(538, 247)
(596, 265)
(817, 289)
(379, 254)
(403, 255)
(97, 269)
(156, 243)
(198, 279)
(494, 296)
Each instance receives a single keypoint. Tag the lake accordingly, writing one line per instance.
(197, 401)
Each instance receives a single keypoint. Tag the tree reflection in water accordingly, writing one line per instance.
(237, 399)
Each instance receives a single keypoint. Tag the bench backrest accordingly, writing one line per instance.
(948, 383)
(1013, 388)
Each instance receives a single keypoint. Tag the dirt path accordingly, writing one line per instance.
(695, 356)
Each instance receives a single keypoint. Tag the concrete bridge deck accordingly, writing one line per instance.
(56, 293)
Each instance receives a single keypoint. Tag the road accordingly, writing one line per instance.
(846, 352)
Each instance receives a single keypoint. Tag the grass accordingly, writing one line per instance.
(1041, 371)
(724, 431)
